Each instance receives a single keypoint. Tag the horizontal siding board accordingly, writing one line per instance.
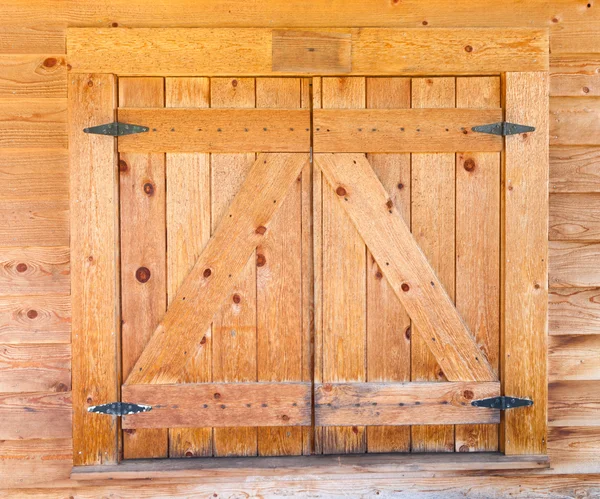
(574, 403)
(575, 75)
(34, 270)
(35, 75)
(574, 311)
(34, 223)
(35, 319)
(574, 121)
(35, 368)
(574, 264)
(574, 357)
(574, 450)
(31, 39)
(35, 415)
(574, 217)
(574, 169)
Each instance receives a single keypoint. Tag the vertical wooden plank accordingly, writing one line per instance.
(388, 324)
(478, 248)
(433, 226)
(344, 285)
(524, 370)
(188, 231)
(234, 326)
(94, 267)
(143, 277)
(279, 285)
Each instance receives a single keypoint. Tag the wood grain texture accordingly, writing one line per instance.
(220, 405)
(478, 248)
(403, 403)
(188, 230)
(34, 271)
(574, 311)
(574, 217)
(279, 301)
(344, 266)
(574, 169)
(311, 52)
(574, 264)
(35, 368)
(33, 123)
(573, 403)
(34, 223)
(234, 325)
(433, 213)
(25, 463)
(574, 121)
(30, 174)
(249, 51)
(35, 415)
(388, 324)
(575, 75)
(33, 76)
(574, 357)
(95, 270)
(221, 262)
(142, 192)
(217, 130)
(405, 130)
(574, 449)
(35, 319)
(525, 264)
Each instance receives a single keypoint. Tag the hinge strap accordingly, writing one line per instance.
(503, 128)
(502, 403)
(116, 129)
(119, 408)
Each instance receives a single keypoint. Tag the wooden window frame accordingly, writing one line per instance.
(95, 246)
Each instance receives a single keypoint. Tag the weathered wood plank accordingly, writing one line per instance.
(403, 403)
(574, 311)
(249, 51)
(279, 285)
(35, 368)
(33, 76)
(35, 415)
(574, 449)
(574, 264)
(41, 175)
(34, 223)
(404, 130)
(34, 271)
(234, 325)
(574, 169)
(213, 276)
(574, 75)
(574, 121)
(220, 405)
(35, 319)
(433, 214)
(217, 130)
(388, 324)
(344, 330)
(142, 186)
(33, 123)
(188, 231)
(95, 270)
(574, 357)
(478, 248)
(28, 39)
(573, 403)
(311, 52)
(574, 217)
(525, 266)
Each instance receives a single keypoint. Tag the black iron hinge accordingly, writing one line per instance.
(116, 129)
(503, 128)
(502, 403)
(119, 408)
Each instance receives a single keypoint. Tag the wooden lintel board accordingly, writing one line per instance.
(258, 52)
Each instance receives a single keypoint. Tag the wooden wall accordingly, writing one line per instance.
(35, 428)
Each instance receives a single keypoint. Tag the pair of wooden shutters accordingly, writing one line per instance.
(303, 316)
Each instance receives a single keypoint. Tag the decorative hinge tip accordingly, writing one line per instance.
(502, 403)
(116, 129)
(119, 408)
(503, 128)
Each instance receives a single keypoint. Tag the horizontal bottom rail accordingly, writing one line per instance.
(308, 467)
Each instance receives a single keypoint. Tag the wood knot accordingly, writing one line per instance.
(261, 230)
(407, 333)
(142, 274)
(355, 430)
(260, 260)
(237, 298)
(389, 204)
(378, 275)
(90, 83)
(217, 396)
(207, 273)
(405, 287)
(149, 188)
(327, 388)
(203, 340)
(32, 314)
(469, 165)
(340, 191)
(463, 448)
(285, 417)
(468, 394)
(234, 83)
(21, 267)
(400, 186)
(586, 90)
(50, 62)
(189, 453)
(61, 387)
(468, 48)
(123, 167)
